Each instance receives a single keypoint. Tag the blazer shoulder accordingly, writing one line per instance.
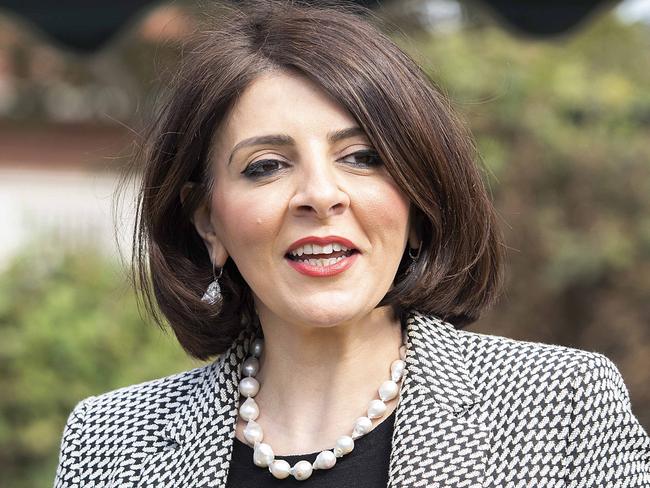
(143, 406)
(486, 349)
(108, 426)
(498, 361)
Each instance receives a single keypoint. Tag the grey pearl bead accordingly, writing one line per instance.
(256, 347)
(250, 367)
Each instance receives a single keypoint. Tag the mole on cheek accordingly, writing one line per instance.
(259, 220)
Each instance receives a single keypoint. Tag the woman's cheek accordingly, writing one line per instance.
(386, 208)
(248, 224)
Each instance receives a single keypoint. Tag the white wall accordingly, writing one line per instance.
(61, 209)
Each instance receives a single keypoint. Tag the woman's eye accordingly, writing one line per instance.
(263, 167)
(267, 167)
(364, 159)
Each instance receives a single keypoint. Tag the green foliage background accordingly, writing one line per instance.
(563, 128)
(70, 328)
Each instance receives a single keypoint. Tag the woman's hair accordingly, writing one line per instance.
(424, 147)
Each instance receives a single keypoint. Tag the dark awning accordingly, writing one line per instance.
(86, 25)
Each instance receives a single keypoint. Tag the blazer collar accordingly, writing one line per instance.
(216, 395)
(438, 439)
(436, 363)
(435, 402)
(199, 436)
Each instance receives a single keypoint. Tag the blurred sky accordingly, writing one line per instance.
(634, 10)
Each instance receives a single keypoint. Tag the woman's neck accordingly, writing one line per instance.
(315, 382)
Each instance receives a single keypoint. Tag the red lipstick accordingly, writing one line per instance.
(345, 258)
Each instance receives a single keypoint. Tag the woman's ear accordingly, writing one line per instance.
(202, 221)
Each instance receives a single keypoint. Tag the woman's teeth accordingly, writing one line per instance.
(321, 262)
(316, 255)
(316, 249)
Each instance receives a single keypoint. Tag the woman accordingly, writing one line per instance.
(310, 211)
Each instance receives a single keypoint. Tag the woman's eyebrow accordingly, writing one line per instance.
(286, 140)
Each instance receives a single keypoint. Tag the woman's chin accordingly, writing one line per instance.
(323, 316)
(320, 310)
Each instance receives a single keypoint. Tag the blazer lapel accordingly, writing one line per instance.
(437, 440)
(200, 436)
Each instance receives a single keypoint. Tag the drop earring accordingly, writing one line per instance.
(213, 294)
(413, 258)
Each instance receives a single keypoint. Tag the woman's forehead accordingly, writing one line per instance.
(281, 102)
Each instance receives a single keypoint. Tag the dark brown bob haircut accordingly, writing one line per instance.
(411, 124)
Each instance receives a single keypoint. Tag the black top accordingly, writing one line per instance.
(365, 466)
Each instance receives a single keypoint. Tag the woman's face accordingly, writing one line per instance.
(307, 179)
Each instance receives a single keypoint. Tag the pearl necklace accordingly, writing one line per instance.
(263, 453)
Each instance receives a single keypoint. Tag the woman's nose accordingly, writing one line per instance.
(318, 192)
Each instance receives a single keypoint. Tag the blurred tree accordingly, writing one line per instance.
(564, 131)
(70, 328)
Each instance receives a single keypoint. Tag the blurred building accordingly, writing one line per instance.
(66, 131)
(57, 186)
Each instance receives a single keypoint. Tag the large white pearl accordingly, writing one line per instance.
(280, 469)
(250, 367)
(388, 390)
(376, 409)
(263, 455)
(256, 347)
(249, 410)
(302, 470)
(249, 387)
(325, 460)
(344, 445)
(397, 370)
(361, 426)
(253, 432)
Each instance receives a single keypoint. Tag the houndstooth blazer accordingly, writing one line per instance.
(474, 411)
